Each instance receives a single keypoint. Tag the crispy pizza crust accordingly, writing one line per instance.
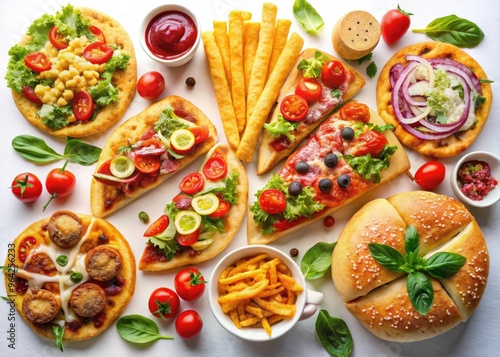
(453, 144)
(105, 199)
(232, 221)
(125, 80)
(114, 304)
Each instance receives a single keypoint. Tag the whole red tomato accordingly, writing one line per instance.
(26, 187)
(430, 175)
(333, 74)
(150, 85)
(164, 303)
(59, 183)
(189, 284)
(188, 324)
(394, 25)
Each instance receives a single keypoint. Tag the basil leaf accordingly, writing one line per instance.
(386, 256)
(308, 17)
(80, 152)
(334, 334)
(34, 149)
(420, 292)
(454, 30)
(371, 69)
(411, 239)
(139, 329)
(444, 265)
(317, 260)
(58, 332)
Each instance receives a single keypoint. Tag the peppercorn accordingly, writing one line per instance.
(294, 252)
(190, 82)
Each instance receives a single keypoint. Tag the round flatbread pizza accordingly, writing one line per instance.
(74, 73)
(436, 96)
(70, 276)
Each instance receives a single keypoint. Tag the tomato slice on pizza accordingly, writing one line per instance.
(352, 152)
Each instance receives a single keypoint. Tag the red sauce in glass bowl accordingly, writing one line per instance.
(171, 34)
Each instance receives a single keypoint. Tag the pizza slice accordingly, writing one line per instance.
(74, 73)
(203, 218)
(318, 85)
(351, 153)
(146, 150)
(70, 276)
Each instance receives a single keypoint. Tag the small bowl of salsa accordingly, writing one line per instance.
(474, 179)
(170, 34)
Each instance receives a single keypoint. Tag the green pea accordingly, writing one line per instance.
(76, 277)
(62, 260)
(144, 217)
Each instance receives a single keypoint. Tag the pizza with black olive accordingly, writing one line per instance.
(70, 276)
(351, 153)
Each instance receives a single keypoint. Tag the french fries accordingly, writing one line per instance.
(258, 292)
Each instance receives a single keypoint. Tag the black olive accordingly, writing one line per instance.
(344, 180)
(347, 133)
(302, 167)
(331, 160)
(295, 188)
(325, 185)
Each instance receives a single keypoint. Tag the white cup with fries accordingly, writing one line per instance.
(258, 293)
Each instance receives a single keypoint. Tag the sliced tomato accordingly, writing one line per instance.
(284, 224)
(192, 183)
(188, 239)
(58, 40)
(37, 61)
(83, 106)
(98, 52)
(200, 133)
(294, 107)
(29, 93)
(309, 89)
(355, 111)
(99, 35)
(272, 201)
(148, 164)
(215, 168)
(333, 74)
(222, 209)
(157, 226)
(371, 142)
(105, 176)
(26, 246)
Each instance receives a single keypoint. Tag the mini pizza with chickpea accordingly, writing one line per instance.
(352, 152)
(73, 73)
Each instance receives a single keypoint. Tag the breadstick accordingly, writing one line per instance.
(251, 41)
(279, 42)
(222, 40)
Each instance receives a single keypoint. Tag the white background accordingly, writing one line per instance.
(477, 337)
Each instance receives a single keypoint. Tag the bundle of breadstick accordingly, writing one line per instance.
(249, 62)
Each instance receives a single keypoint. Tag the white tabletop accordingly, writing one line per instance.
(477, 337)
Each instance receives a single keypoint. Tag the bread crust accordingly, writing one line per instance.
(453, 144)
(377, 297)
(106, 199)
(125, 80)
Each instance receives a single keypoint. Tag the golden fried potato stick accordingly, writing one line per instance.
(279, 42)
(284, 65)
(286, 310)
(248, 293)
(250, 43)
(221, 89)
(222, 40)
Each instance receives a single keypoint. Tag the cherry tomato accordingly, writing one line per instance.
(188, 324)
(430, 175)
(309, 89)
(59, 183)
(58, 40)
(394, 25)
(150, 85)
(222, 209)
(148, 164)
(82, 106)
(26, 187)
(283, 224)
(96, 31)
(98, 52)
(294, 107)
(25, 247)
(329, 221)
(333, 74)
(37, 61)
(164, 303)
(29, 93)
(215, 168)
(272, 201)
(188, 239)
(157, 226)
(355, 111)
(371, 142)
(189, 284)
(200, 133)
(192, 183)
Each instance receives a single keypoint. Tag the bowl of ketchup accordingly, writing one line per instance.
(170, 34)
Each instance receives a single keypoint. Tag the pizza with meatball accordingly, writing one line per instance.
(74, 73)
(70, 276)
(351, 153)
